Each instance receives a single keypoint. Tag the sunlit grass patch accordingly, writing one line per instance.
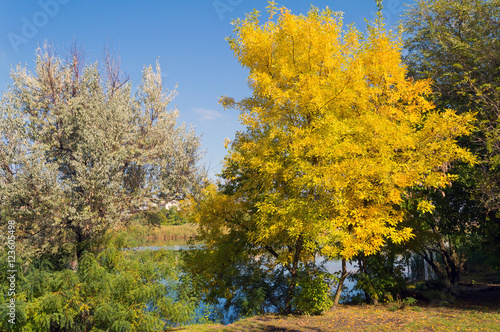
(368, 318)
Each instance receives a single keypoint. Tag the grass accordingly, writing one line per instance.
(466, 307)
(477, 313)
(368, 318)
(170, 234)
(138, 235)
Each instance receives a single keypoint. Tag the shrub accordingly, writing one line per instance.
(313, 295)
(113, 291)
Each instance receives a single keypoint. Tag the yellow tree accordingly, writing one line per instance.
(335, 135)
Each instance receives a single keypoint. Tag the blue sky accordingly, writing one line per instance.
(186, 36)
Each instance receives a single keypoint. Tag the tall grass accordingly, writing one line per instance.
(138, 235)
(170, 234)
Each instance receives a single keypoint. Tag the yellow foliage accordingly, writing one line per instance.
(336, 134)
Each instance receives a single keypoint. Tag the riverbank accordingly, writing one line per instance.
(471, 308)
(170, 234)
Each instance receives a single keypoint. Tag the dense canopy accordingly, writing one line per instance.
(335, 135)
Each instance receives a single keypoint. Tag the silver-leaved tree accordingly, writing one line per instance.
(80, 151)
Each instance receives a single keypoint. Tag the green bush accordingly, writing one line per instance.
(163, 217)
(174, 217)
(313, 295)
(378, 279)
(113, 291)
(155, 218)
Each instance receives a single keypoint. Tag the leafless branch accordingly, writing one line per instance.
(112, 64)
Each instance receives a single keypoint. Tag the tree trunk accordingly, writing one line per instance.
(79, 250)
(290, 291)
(341, 283)
(73, 265)
(429, 259)
(293, 274)
(452, 262)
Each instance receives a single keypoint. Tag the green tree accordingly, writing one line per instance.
(456, 44)
(174, 217)
(335, 133)
(445, 236)
(115, 290)
(80, 153)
